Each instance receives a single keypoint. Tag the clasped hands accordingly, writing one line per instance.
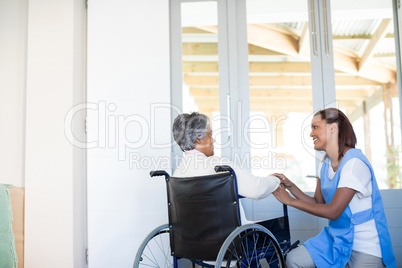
(280, 193)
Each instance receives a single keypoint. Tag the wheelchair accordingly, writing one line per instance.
(204, 227)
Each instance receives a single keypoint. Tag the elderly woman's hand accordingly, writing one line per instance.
(284, 180)
(282, 195)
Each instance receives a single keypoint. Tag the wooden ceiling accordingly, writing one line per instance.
(279, 68)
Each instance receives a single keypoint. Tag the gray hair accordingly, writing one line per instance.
(187, 128)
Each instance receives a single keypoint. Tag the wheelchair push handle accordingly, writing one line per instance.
(158, 173)
(223, 168)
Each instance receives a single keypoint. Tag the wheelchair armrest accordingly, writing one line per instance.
(158, 173)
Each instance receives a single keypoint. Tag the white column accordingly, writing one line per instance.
(130, 126)
(13, 36)
(55, 169)
(397, 12)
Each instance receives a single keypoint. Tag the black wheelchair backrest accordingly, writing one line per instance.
(203, 211)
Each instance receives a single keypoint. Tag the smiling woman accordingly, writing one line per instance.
(319, 130)
(332, 124)
(347, 194)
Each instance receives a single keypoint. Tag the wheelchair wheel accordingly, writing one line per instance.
(250, 246)
(154, 251)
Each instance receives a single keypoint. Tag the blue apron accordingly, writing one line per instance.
(333, 246)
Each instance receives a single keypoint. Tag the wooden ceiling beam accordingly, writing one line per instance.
(384, 55)
(254, 67)
(266, 37)
(272, 39)
(267, 110)
(200, 67)
(195, 30)
(377, 37)
(282, 29)
(372, 101)
(254, 50)
(343, 63)
(207, 49)
(196, 49)
(358, 36)
(374, 71)
(256, 104)
(280, 94)
(304, 41)
(286, 44)
(195, 80)
(272, 107)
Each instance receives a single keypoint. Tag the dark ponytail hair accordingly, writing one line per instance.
(346, 134)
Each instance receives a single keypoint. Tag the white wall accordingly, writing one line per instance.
(128, 73)
(13, 36)
(55, 170)
(392, 200)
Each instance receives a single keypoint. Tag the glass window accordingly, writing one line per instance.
(200, 61)
(280, 90)
(280, 83)
(366, 82)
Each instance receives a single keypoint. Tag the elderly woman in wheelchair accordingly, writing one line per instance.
(193, 134)
(205, 216)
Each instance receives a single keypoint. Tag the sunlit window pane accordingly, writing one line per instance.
(367, 89)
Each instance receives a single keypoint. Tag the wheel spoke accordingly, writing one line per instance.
(155, 250)
(153, 260)
(253, 248)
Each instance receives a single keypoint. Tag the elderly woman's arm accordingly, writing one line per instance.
(255, 187)
(249, 186)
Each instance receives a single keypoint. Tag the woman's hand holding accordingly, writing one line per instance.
(282, 195)
(284, 180)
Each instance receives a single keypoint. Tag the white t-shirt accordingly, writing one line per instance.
(356, 175)
(195, 163)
